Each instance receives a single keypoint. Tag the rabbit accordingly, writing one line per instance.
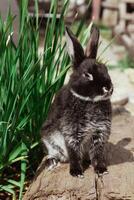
(79, 122)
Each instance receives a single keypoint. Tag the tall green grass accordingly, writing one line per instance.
(28, 82)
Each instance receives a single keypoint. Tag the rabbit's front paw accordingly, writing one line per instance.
(76, 171)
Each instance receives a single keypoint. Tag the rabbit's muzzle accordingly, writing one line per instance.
(107, 92)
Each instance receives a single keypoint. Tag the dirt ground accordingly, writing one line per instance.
(118, 184)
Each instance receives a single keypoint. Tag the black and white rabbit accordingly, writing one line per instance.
(79, 122)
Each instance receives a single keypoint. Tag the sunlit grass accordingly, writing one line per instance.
(28, 83)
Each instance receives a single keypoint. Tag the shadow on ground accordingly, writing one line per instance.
(117, 153)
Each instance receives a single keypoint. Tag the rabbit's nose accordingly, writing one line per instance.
(105, 90)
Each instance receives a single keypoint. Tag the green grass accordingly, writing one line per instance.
(28, 83)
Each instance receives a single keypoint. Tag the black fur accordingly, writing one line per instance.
(83, 126)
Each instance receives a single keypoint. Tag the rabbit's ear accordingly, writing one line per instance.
(92, 46)
(74, 48)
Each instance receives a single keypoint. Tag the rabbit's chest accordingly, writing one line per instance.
(82, 122)
(85, 116)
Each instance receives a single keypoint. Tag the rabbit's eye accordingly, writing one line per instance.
(89, 76)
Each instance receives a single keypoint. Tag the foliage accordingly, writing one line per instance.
(28, 83)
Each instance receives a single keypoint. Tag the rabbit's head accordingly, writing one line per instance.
(90, 80)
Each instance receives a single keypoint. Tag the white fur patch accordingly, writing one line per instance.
(96, 99)
(56, 139)
(80, 96)
(100, 98)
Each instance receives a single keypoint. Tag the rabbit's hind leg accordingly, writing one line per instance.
(56, 149)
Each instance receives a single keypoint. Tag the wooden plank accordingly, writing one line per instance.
(110, 17)
(130, 27)
(127, 40)
(128, 1)
(121, 26)
(128, 43)
(109, 5)
(127, 16)
(122, 9)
